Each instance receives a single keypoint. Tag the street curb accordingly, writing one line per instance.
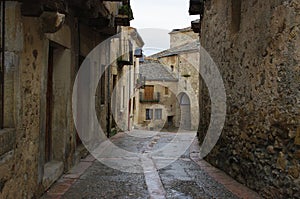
(221, 177)
(59, 188)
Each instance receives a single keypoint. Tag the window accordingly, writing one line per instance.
(149, 114)
(166, 91)
(158, 114)
(172, 67)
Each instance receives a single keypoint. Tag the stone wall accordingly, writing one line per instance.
(24, 172)
(256, 47)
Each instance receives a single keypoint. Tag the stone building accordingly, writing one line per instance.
(182, 59)
(43, 44)
(157, 100)
(125, 70)
(255, 45)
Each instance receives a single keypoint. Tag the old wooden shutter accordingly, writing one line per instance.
(148, 93)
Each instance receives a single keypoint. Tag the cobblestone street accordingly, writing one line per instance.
(187, 177)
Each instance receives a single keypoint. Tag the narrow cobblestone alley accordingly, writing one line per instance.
(187, 177)
(138, 99)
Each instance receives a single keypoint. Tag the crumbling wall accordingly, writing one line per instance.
(256, 47)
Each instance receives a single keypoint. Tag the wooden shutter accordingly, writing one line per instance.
(148, 93)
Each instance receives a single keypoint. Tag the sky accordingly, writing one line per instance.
(154, 19)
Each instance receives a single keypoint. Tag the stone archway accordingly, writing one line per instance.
(185, 111)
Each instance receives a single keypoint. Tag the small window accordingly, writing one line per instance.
(166, 91)
(149, 114)
(158, 114)
(172, 67)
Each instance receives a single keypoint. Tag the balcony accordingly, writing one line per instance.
(152, 99)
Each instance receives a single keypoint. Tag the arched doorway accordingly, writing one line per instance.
(185, 111)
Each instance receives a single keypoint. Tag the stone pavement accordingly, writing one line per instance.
(159, 175)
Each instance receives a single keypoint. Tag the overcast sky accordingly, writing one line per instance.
(154, 19)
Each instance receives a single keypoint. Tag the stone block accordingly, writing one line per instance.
(297, 138)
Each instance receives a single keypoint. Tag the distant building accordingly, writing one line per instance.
(181, 61)
(157, 103)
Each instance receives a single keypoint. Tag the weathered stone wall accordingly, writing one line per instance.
(24, 173)
(26, 157)
(256, 48)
